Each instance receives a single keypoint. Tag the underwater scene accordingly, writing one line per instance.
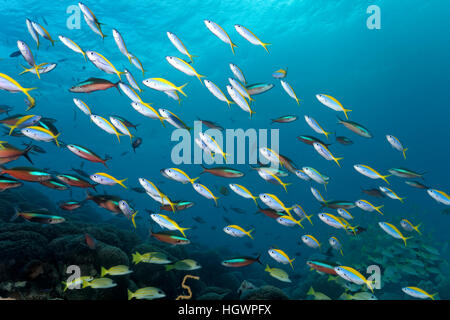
(224, 150)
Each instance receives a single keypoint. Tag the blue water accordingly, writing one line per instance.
(395, 80)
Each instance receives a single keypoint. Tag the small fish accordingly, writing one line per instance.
(250, 36)
(344, 140)
(70, 205)
(165, 222)
(280, 256)
(87, 154)
(42, 32)
(396, 144)
(184, 67)
(369, 172)
(150, 257)
(311, 241)
(280, 73)
(72, 45)
(116, 271)
(121, 43)
(278, 274)
(408, 226)
(335, 244)
(317, 295)
(147, 293)
(211, 125)
(367, 206)
(416, 184)
(391, 194)
(322, 266)
(258, 88)
(93, 84)
(8, 183)
(439, 196)
(274, 203)
(324, 152)
(215, 90)
(102, 63)
(136, 143)
(9, 84)
(240, 261)
(289, 90)
(418, 293)
(179, 45)
(170, 237)
(99, 283)
(392, 230)
(161, 84)
(309, 140)
(106, 179)
(358, 296)
(128, 211)
(177, 175)
(405, 173)
(332, 103)
(173, 119)
(224, 172)
(15, 54)
(237, 231)
(243, 192)
(239, 99)
(81, 172)
(90, 241)
(285, 119)
(353, 275)
(105, 125)
(237, 72)
(219, 32)
(27, 174)
(356, 128)
(205, 192)
(316, 127)
(37, 217)
(374, 192)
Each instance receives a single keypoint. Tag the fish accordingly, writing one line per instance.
(81, 172)
(32, 32)
(90, 241)
(131, 80)
(316, 127)
(173, 119)
(161, 84)
(285, 119)
(70, 205)
(42, 32)
(128, 211)
(177, 175)
(42, 68)
(108, 202)
(179, 45)
(75, 181)
(105, 125)
(121, 44)
(69, 43)
(150, 257)
(418, 293)
(184, 67)
(250, 36)
(335, 244)
(178, 206)
(396, 144)
(170, 237)
(311, 241)
(405, 173)
(302, 175)
(332, 103)
(316, 176)
(274, 203)
(9, 84)
(258, 88)
(391, 194)
(357, 128)
(353, 275)
(278, 274)
(298, 210)
(237, 231)
(367, 206)
(88, 14)
(289, 90)
(165, 222)
(118, 270)
(344, 140)
(147, 293)
(26, 173)
(239, 99)
(280, 73)
(137, 189)
(370, 172)
(212, 144)
(317, 295)
(272, 177)
(99, 283)
(15, 54)
(211, 124)
(37, 217)
(87, 154)
(120, 126)
(40, 134)
(220, 33)
(10, 153)
(148, 111)
(54, 184)
(416, 184)
(240, 261)
(324, 152)
(92, 85)
(106, 179)
(439, 196)
(215, 90)
(102, 63)
(280, 256)
(288, 221)
(392, 230)
(271, 213)
(239, 87)
(336, 204)
(358, 296)
(237, 72)
(408, 226)
(205, 192)
(374, 192)
(309, 140)
(344, 214)
(322, 266)
(136, 62)
(8, 183)
(243, 192)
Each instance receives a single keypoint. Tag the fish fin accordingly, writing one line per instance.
(26, 153)
(310, 292)
(337, 160)
(285, 185)
(130, 294)
(309, 219)
(404, 152)
(232, 47)
(384, 178)
(345, 112)
(169, 267)
(121, 183)
(103, 271)
(265, 46)
(249, 233)
(16, 214)
(133, 218)
(404, 240)
(37, 71)
(181, 89)
(417, 228)
(267, 268)
(192, 180)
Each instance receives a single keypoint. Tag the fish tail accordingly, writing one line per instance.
(192, 180)
(27, 151)
(384, 178)
(369, 284)
(265, 46)
(121, 183)
(228, 102)
(309, 219)
(11, 128)
(15, 215)
(25, 69)
(215, 200)
(37, 71)
(56, 139)
(310, 291)
(191, 57)
(182, 231)
(137, 257)
(433, 295)
(254, 199)
(404, 152)
(267, 268)
(251, 113)
(290, 262)
(103, 271)
(299, 222)
(232, 47)
(119, 73)
(249, 233)
(133, 218)
(130, 294)
(406, 238)
(85, 284)
(285, 185)
(345, 112)
(181, 89)
(401, 199)
(337, 160)
(378, 209)
(417, 228)
(199, 77)
(169, 267)
(341, 252)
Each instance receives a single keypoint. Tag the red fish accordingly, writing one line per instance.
(10, 153)
(27, 174)
(93, 84)
(323, 266)
(90, 241)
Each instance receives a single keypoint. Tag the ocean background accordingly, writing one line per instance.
(395, 80)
